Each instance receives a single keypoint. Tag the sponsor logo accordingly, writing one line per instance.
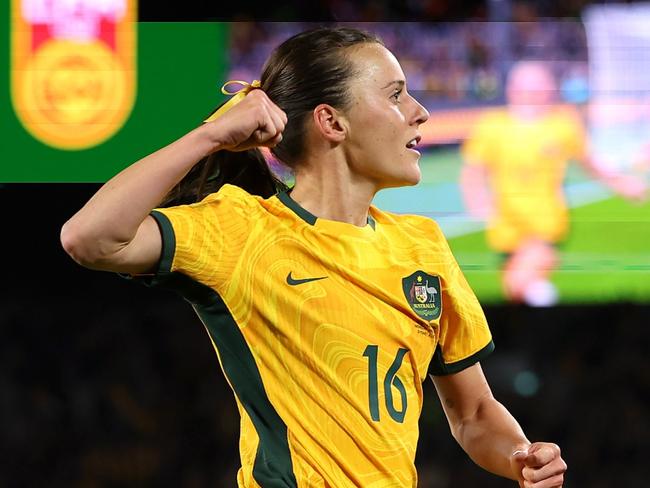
(422, 292)
(293, 281)
(73, 68)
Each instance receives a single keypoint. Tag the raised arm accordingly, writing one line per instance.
(114, 232)
(491, 436)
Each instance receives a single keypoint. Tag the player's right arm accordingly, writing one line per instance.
(113, 231)
(476, 153)
(475, 189)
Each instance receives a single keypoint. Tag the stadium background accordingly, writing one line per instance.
(105, 383)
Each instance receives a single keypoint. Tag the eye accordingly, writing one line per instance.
(396, 94)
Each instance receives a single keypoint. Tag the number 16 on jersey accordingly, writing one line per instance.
(390, 380)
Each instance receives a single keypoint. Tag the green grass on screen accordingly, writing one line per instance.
(605, 258)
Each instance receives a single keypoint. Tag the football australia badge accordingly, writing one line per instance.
(73, 68)
(422, 293)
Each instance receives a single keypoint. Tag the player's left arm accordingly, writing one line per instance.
(580, 150)
(491, 436)
(626, 185)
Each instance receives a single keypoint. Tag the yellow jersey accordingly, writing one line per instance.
(325, 331)
(526, 163)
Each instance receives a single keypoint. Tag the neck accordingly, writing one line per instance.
(330, 191)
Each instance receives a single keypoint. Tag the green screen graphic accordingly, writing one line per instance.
(181, 67)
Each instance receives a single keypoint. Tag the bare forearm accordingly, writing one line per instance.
(624, 184)
(491, 436)
(112, 216)
(475, 191)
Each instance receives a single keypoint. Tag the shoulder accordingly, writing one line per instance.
(227, 204)
(568, 118)
(418, 226)
(488, 126)
(233, 201)
(231, 198)
(227, 193)
(415, 238)
(492, 118)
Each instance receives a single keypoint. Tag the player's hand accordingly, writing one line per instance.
(539, 466)
(255, 121)
(630, 187)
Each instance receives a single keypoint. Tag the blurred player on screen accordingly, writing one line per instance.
(515, 163)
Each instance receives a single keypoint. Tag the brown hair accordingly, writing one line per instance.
(304, 71)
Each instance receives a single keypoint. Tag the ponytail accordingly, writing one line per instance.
(305, 70)
(245, 169)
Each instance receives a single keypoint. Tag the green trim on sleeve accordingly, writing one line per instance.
(438, 367)
(168, 242)
(164, 266)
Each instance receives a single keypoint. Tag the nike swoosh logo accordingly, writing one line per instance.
(293, 282)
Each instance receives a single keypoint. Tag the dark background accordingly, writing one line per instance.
(104, 383)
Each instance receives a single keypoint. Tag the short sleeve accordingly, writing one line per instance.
(464, 337)
(202, 241)
(477, 149)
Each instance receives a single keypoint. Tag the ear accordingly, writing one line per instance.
(330, 123)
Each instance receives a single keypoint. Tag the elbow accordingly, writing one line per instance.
(72, 243)
(466, 426)
(457, 433)
(78, 246)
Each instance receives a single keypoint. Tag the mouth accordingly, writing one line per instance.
(411, 145)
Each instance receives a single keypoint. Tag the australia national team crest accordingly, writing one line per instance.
(422, 292)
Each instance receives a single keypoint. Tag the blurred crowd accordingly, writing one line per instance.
(360, 10)
(445, 63)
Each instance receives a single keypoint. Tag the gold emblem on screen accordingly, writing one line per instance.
(73, 73)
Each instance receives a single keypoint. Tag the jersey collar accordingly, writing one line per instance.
(309, 217)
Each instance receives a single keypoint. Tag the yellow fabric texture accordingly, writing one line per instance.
(308, 340)
(526, 163)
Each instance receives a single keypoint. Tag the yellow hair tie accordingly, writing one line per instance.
(237, 96)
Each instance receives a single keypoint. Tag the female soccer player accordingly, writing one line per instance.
(327, 314)
(515, 164)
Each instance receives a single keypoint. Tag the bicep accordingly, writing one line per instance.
(141, 255)
(461, 393)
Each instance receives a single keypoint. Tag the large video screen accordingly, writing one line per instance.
(536, 153)
(87, 90)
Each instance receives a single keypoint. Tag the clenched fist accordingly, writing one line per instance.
(539, 466)
(255, 121)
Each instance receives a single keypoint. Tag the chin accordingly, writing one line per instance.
(404, 180)
(413, 177)
(405, 174)
(412, 182)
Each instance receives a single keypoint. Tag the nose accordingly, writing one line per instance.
(420, 114)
